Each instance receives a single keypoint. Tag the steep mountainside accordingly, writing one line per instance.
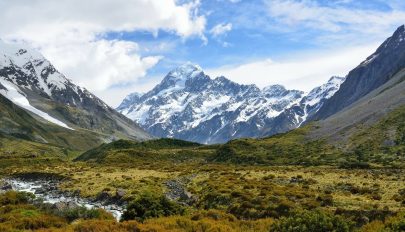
(376, 70)
(18, 123)
(32, 83)
(189, 105)
(344, 126)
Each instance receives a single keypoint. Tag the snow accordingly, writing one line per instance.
(22, 57)
(315, 96)
(176, 109)
(183, 73)
(139, 115)
(205, 112)
(369, 60)
(17, 97)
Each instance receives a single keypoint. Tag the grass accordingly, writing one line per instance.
(243, 185)
(94, 180)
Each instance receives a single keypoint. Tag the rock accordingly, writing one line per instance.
(120, 193)
(40, 191)
(76, 193)
(6, 186)
(177, 192)
(389, 143)
(72, 205)
(363, 220)
(60, 206)
(63, 206)
(103, 196)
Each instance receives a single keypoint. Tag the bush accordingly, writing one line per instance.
(355, 165)
(148, 206)
(84, 213)
(310, 221)
(396, 224)
(15, 198)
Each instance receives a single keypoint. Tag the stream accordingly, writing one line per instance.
(47, 191)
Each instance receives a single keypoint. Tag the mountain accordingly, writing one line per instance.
(344, 127)
(189, 105)
(298, 114)
(32, 84)
(375, 71)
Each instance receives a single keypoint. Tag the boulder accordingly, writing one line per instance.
(6, 186)
(103, 196)
(120, 193)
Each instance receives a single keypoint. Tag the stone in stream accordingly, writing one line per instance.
(40, 191)
(120, 193)
(76, 193)
(6, 186)
(103, 196)
(62, 206)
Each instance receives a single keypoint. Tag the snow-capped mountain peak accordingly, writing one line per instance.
(324, 91)
(38, 72)
(186, 71)
(189, 105)
(187, 76)
(31, 82)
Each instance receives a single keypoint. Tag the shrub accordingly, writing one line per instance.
(396, 224)
(84, 213)
(215, 200)
(148, 206)
(310, 221)
(15, 198)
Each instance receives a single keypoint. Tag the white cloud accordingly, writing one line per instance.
(25, 17)
(70, 34)
(115, 95)
(221, 29)
(100, 64)
(339, 18)
(303, 72)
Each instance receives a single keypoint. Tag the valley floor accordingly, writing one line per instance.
(221, 197)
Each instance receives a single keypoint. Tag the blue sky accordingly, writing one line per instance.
(117, 47)
(256, 34)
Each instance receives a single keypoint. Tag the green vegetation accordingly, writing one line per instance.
(307, 221)
(382, 143)
(101, 152)
(149, 206)
(291, 148)
(19, 212)
(287, 182)
(160, 153)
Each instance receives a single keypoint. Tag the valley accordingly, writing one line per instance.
(222, 196)
(199, 153)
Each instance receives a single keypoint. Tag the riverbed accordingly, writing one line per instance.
(40, 188)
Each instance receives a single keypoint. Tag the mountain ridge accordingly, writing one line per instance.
(190, 105)
(376, 70)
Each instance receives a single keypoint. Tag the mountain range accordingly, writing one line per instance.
(39, 103)
(190, 105)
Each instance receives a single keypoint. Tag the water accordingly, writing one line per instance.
(54, 197)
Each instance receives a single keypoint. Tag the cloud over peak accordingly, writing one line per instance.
(71, 33)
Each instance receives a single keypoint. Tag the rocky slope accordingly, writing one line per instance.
(33, 84)
(189, 105)
(375, 71)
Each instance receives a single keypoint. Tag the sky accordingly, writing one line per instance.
(116, 47)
